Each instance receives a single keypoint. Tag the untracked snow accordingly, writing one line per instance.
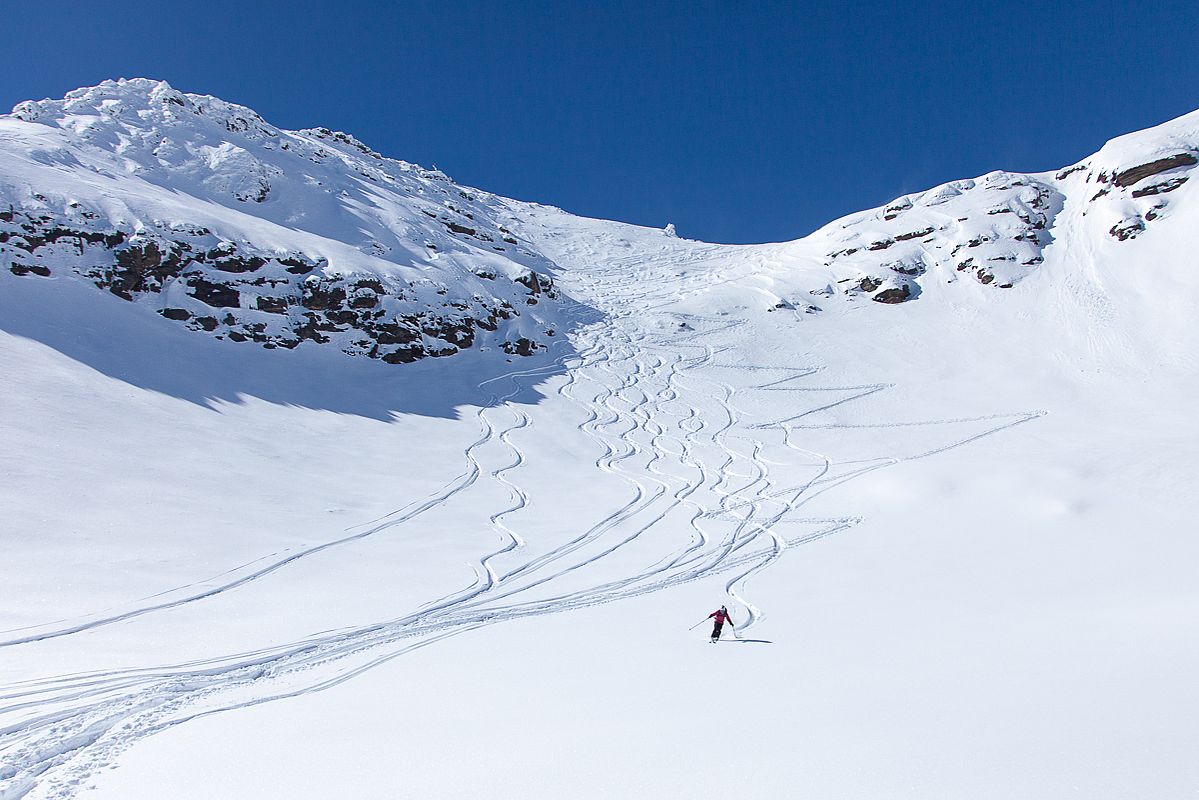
(937, 458)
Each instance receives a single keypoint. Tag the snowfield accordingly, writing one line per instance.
(943, 481)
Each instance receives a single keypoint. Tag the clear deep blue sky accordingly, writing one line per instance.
(738, 121)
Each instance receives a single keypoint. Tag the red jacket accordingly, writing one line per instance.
(721, 616)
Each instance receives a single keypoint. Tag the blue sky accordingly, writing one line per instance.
(738, 121)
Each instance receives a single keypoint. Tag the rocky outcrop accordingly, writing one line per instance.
(992, 229)
(236, 292)
(1127, 229)
(899, 294)
(1136, 174)
(1165, 187)
(1133, 209)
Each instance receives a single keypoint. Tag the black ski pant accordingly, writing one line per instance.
(716, 630)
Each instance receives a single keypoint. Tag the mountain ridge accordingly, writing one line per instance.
(204, 213)
(145, 192)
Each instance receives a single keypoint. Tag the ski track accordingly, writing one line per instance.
(666, 430)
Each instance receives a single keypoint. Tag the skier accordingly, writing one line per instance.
(720, 616)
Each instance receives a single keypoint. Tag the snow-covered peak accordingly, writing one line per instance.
(161, 197)
(140, 102)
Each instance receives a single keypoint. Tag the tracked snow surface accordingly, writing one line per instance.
(937, 458)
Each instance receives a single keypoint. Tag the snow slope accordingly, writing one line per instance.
(951, 524)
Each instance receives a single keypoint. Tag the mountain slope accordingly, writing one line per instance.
(201, 211)
(953, 531)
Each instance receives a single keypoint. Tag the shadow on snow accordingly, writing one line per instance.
(131, 343)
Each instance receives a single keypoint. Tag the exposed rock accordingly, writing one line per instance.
(1128, 229)
(521, 347)
(895, 209)
(903, 237)
(235, 264)
(297, 266)
(27, 269)
(272, 305)
(311, 330)
(142, 268)
(896, 295)
(317, 296)
(908, 269)
(1160, 188)
(394, 333)
(1135, 174)
(217, 295)
(1070, 171)
(404, 355)
(536, 284)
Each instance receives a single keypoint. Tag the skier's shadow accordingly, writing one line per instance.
(747, 641)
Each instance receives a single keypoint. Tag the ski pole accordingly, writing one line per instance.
(696, 625)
